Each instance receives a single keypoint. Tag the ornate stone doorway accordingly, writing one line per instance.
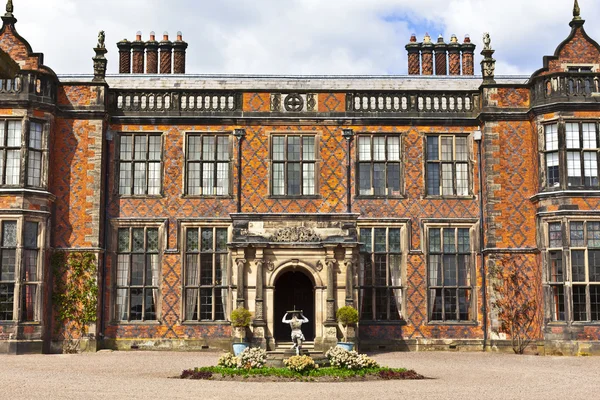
(294, 289)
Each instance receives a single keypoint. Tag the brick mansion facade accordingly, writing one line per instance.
(396, 195)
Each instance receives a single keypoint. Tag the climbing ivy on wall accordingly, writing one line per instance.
(75, 295)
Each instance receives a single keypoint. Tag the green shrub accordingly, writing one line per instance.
(241, 317)
(346, 316)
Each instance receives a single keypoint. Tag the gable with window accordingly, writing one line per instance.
(573, 270)
(450, 274)
(571, 155)
(379, 165)
(293, 165)
(380, 273)
(448, 165)
(208, 159)
(140, 165)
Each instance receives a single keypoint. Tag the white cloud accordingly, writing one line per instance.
(298, 36)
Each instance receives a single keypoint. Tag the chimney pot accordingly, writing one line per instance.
(179, 36)
(413, 38)
(441, 57)
(124, 56)
(468, 50)
(427, 38)
(453, 39)
(467, 38)
(152, 36)
(138, 36)
(166, 36)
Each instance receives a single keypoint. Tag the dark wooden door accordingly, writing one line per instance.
(294, 289)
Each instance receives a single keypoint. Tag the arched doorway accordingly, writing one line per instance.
(294, 289)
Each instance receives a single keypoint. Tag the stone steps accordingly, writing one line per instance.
(283, 350)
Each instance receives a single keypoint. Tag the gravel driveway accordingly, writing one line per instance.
(146, 375)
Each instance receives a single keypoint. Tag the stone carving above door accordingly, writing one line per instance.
(296, 234)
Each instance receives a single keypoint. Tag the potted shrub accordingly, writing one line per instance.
(240, 320)
(346, 316)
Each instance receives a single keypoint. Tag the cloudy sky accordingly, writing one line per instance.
(291, 37)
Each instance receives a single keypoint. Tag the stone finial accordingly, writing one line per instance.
(101, 40)
(487, 41)
(488, 64)
(576, 11)
(9, 8)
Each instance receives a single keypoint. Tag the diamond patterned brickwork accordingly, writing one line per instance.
(332, 186)
(77, 96)
(416, 207)
(332, 102)
(511, 178)
(75, 180)
(256, 102)
(579, 50)
(509, 97)
(529, 264)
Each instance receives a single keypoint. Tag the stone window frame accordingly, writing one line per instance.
(473, 227)
(133, 161)
(316, 162)
(21, 280)
(198, 225)
(558, 286)
(117, 224)
(562, 152)
(187, 161)
(25, 150)
(470, 162)
(372, 162)
(404, 227)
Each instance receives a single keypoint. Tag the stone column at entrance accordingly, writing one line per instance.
(240, 301)
(259, 324)
(349, 283)
(330, 290)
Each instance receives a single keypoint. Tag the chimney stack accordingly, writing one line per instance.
(138, 54)
(414, 56)
(468, 50)
(152, 55)
(454, 56)
(179, 48)
(124, 56)
(166, 49)
(441, 50)
(427, 55)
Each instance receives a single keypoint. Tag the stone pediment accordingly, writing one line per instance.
(296, 234)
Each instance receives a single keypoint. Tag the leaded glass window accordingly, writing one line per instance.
(140, 164)
(380, 274)
(379, 165)
(450, 274)
(205, 281)
(447, 165)
(208, 162)
(137, 274)
(8, 269)
(34, 161)
(293, 165)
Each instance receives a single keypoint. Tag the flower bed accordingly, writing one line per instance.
(344, 366)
